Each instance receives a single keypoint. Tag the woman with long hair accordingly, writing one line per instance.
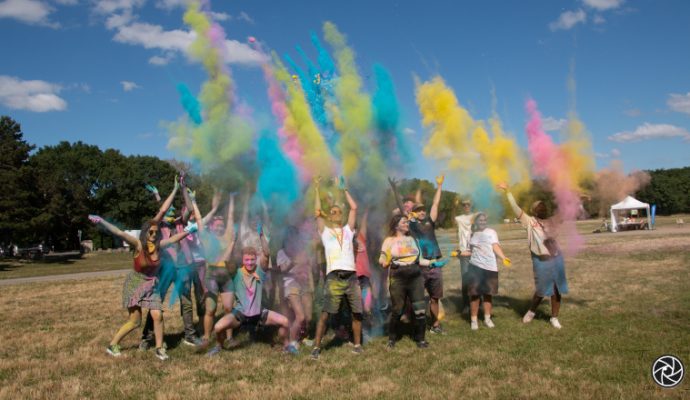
(140, 285)
(401, 253)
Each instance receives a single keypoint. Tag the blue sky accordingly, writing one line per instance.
(104, 71)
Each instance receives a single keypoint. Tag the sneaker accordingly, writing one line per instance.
(191, 341)
(489, 323)
(231, 343)
(474, 325)
(422, 344)
(215, 351)
(144, 345)
(357, 349)
(162, 354)
(202, 346)
(114, 350)
(437, 330)
(315, 353)
(391, 344)
(529, 316)
(555, 323)
(291, 349)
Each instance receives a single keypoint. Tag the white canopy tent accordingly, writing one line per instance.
(628, 204)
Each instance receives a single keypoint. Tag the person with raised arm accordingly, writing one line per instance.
(140, 290)
(423, 229)
(547, 259)
(217, 241)
(341, 277)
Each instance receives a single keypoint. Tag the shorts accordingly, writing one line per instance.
(218, 280)
(482, 281)
(433, 282)
(340, 285)
(255, 320)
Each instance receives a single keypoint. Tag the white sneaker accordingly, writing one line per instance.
(529, 316)
(474, 325)
(555, 323)
(489, 323)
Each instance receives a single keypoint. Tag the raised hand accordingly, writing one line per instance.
(259, 228)
(317, 182)
(191, 227)
(392, 181)
(151, 189)
(341, 183)
(95, 219)
(440, 179)
(179, 180)
(192, 194)
(503, 186)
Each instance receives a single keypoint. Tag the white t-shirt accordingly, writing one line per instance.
(464, 230)
(340, 254)
(481, 244)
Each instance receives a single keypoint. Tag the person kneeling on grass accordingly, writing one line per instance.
(248, 287)
(482, 274)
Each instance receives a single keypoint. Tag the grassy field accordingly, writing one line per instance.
(65, 264)
(629, 303)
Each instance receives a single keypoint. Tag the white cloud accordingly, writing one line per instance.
(128, 86)
(614, 153)
(245, 17)
(106, 7)
(550, 124)
(28, 11)
(649, 131)
(38, 96)
(598, 19)
(679, 102)
(171, 4)
(220, 16)
(154, 37)
(602, 5)
(409, 131)
(568, 19)
(161, 60)
(67, 2)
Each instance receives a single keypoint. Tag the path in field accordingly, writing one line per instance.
(63, 277)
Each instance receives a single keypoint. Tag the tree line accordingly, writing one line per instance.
(47, 193)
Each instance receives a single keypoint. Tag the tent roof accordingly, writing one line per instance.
(629, 203)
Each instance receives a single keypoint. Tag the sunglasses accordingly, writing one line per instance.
(153, 231)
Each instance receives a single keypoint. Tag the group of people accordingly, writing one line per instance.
(245, 269)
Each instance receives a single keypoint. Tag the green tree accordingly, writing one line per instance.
(15, 207)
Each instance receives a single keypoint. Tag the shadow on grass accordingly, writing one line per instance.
(519, 306)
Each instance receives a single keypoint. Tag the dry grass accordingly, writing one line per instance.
(629, 303)
(69, 264)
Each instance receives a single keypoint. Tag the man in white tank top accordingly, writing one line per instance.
(341, 278)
